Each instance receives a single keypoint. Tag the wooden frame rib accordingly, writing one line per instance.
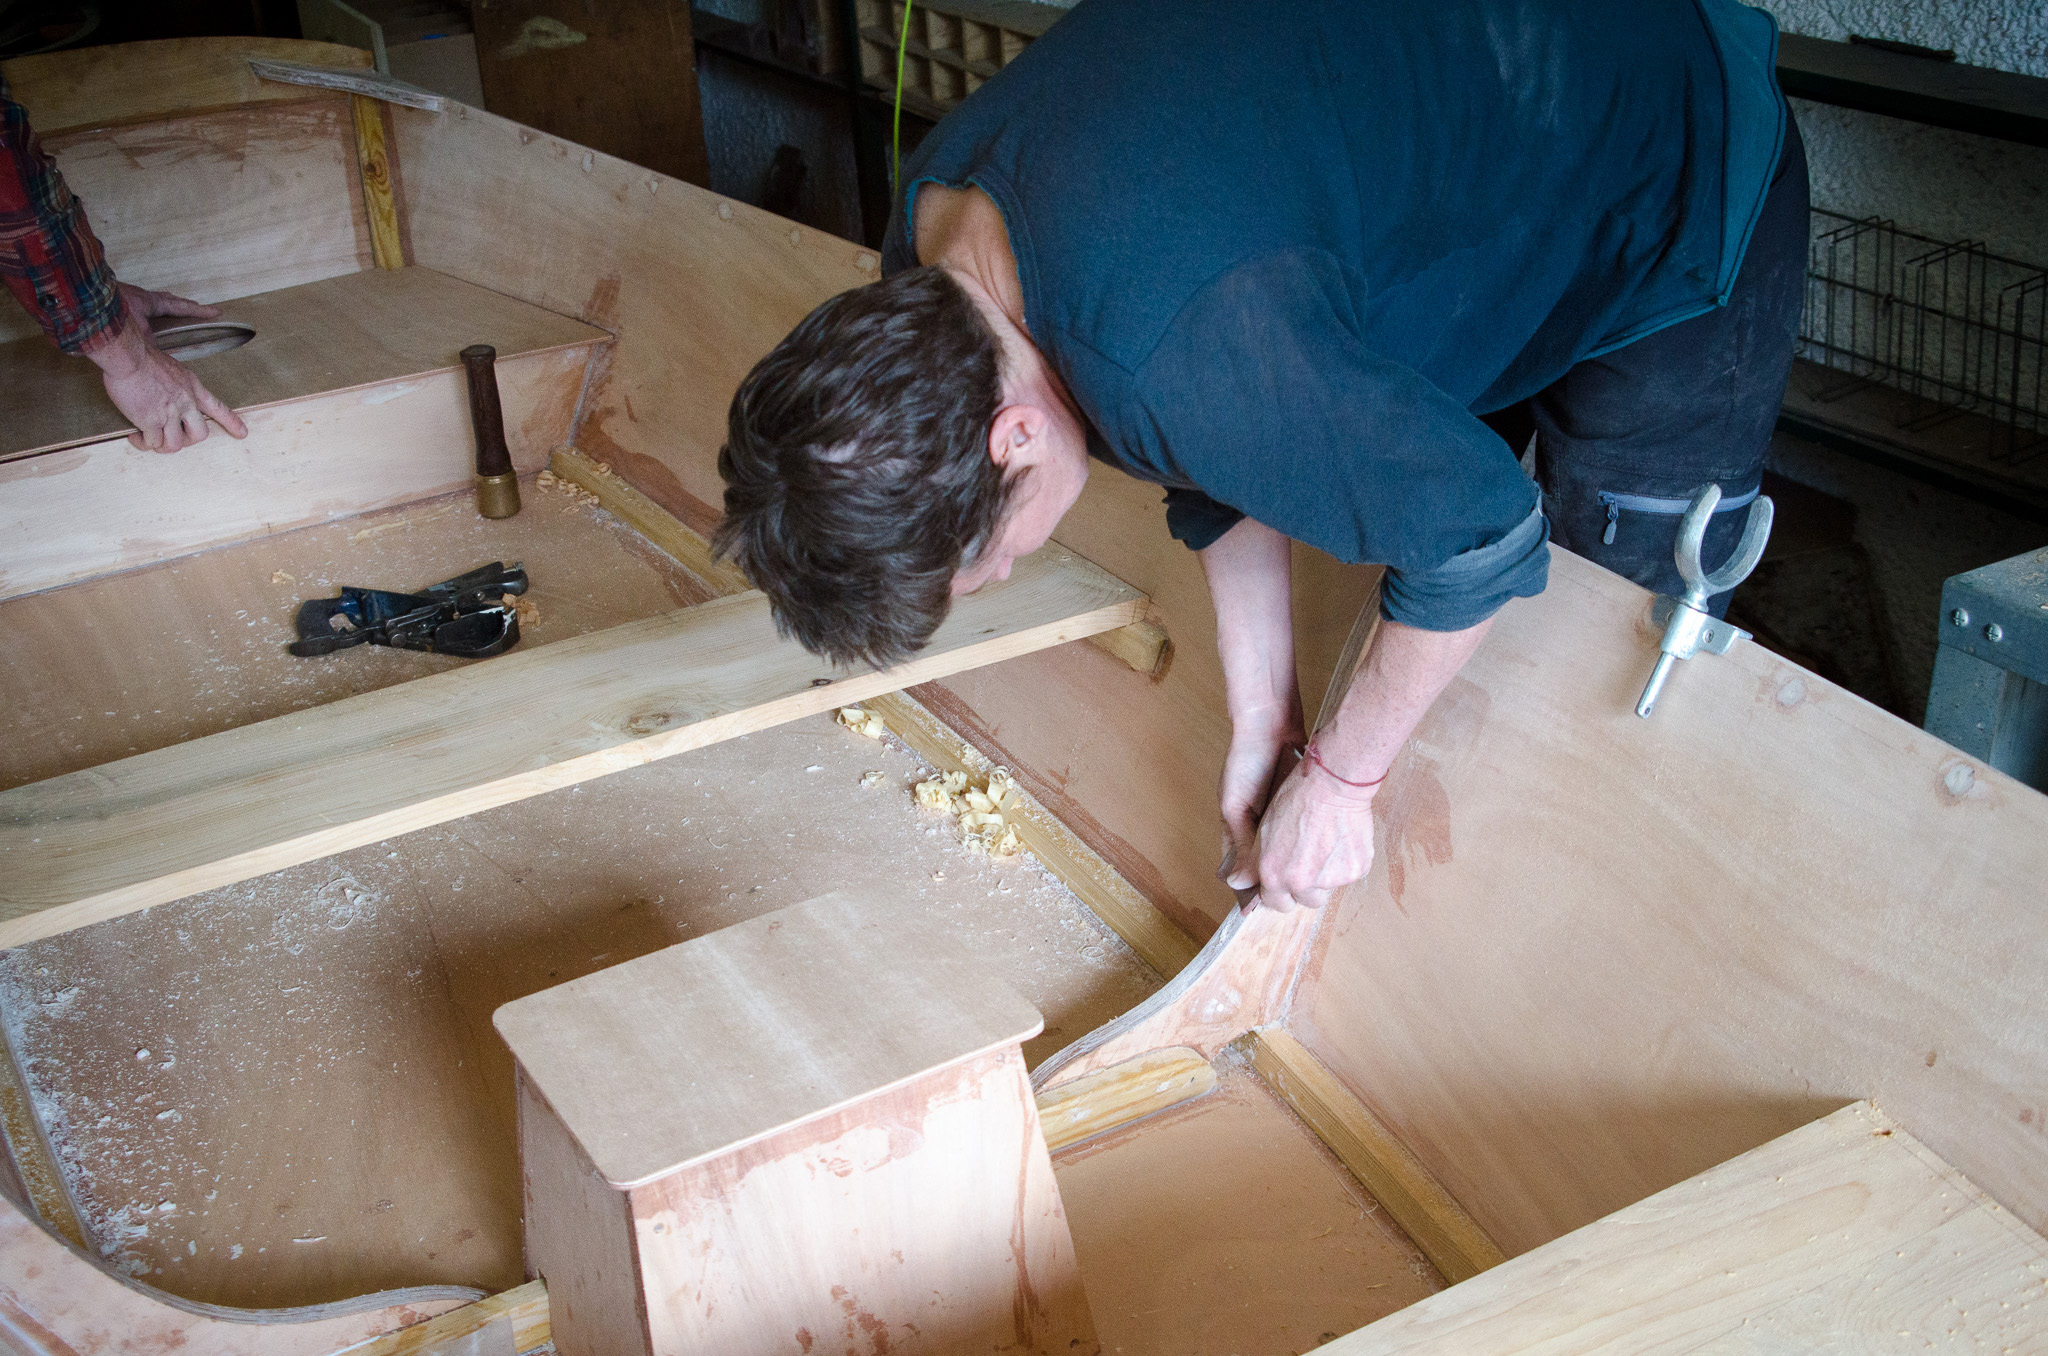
(93, 845)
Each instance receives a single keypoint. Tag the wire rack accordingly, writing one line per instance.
(1953, 328)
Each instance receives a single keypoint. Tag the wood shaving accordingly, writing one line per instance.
(871, 779)
(280, 577)
(548, 480)
(860, 720)
(978, 810)
(527, 610)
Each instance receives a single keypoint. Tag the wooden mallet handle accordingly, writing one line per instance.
(497, 485)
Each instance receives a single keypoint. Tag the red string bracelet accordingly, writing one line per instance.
(1317, 759)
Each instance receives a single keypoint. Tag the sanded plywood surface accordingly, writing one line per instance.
(1847, 1235)
(337, 334)
(160, 825)
(321, 1064)
(222, 204)
(1597, 955)
(1222, 1227)
(113, 667)
(717, 1042)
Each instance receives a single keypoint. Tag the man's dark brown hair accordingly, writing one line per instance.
(856, 466)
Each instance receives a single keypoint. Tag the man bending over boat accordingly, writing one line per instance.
(1298, 264)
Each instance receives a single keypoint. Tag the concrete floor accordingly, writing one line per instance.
(1852, 585)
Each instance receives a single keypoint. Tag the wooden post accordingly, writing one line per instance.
(812, 1128)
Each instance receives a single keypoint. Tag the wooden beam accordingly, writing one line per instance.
(525, 1306)
(1449, 1237)
(1117, 1096)
(373, 164)
(1144, 644)
(97, 844)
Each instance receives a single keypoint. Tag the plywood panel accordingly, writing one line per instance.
(354, 330)
(223, 204)
(107, 506)
(1223, 1228)
(1843, 1236)
(130, 82)
(925, 1220)
(323, 1035)
(702, 286)
(658, 1063)
(1598, 954)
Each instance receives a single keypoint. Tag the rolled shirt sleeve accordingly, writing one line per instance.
(1262, 402)
(49, 257)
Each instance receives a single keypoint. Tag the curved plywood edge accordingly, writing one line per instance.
(56, 1301)
(1093, 1103)
(1242, 979)
(135, 82)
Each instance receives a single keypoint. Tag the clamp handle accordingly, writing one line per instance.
(1692, 628)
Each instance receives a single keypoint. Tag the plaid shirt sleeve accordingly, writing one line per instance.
(49, 256)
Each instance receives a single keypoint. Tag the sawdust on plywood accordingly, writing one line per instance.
(323, 1108)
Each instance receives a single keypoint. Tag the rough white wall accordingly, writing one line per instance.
(1940, 183)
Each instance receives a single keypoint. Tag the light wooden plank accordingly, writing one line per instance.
(1850, 1210)
(132, 82)
(336, 334)
(1597, 954)
(373, 162)
(1112, 1097)
(715, 1043)
(219, 205)
(97, 844)
(1454, 1244)
(525, 1306)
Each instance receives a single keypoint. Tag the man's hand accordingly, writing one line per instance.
(1257, 742)
(167, 404)
(1315, 838)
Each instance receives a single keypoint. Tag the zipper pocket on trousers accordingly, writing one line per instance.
(1670, 508)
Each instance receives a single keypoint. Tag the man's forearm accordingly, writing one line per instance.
(1250, 573)
(1403, 674)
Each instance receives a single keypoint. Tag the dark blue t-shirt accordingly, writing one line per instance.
(1283, 254)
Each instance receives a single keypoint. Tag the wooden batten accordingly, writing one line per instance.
(157, 826)
(134, 82)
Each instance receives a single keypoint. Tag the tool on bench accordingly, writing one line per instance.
(468, 616)
(1691, 627)
(497, 484)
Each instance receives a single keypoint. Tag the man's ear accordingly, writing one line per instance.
(1013, 432)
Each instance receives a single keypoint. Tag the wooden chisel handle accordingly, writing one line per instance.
(497, 485)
